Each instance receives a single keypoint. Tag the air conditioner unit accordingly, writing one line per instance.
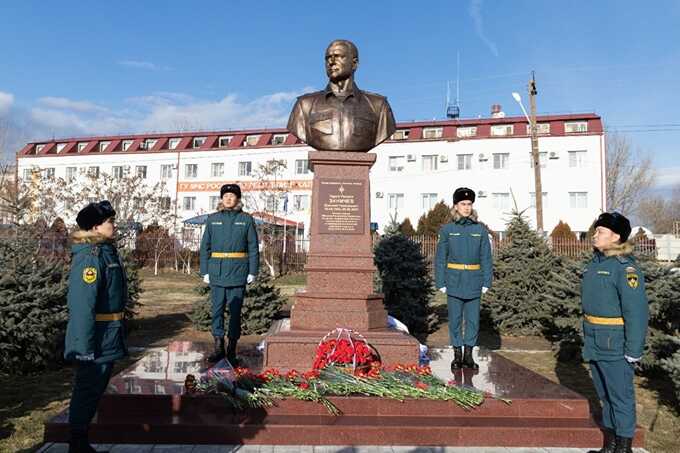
(481, 194)
(554, 155)
(443, 158)
(379, 195)
(483, 158)
(410, 157)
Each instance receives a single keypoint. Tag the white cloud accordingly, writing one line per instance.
(667, 176)
(137, 64)
(6, 101)
(475, 11)
(69, 104)
(159, 111)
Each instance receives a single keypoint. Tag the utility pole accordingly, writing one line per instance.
(535, 155)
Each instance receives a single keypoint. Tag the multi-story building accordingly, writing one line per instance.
(421, 164)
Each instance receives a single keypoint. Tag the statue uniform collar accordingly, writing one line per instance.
(350, 92)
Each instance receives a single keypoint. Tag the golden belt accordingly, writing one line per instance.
(108, 316)
(464, 267)
(604, 321)
(229, 255)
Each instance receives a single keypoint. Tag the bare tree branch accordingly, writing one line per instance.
(629, 175)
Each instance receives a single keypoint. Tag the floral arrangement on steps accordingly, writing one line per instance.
(345, 348)
(401, 382)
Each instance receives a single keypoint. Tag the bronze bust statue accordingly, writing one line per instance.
(342, 117)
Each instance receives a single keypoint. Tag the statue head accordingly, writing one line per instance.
(342, 59)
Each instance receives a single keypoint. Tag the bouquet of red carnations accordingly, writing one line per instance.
(345, 348)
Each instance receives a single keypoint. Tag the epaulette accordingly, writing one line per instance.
(623, 259)
(94, 250)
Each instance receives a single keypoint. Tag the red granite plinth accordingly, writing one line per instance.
(146, 404)
(339, 269)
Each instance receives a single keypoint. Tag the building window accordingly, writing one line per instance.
(251, 140)
(499, 130)
(127, 144)
(60, 147)
(301, 167)
(245, 168)
(279, 139)
(463, 132)
(49, 173)
(501, 201)
(189, 203)
(71, 173)
(213, 202)
(217, 169)
(140, 171)
(395, 201)
(103, 146)
(173, 143)
(118, 172)
(271, 203)
(542, 158)
(500, 161)
(427, 201)
(39, 148)
(93, 172)
(576, 127)
(433, 132)
(577, 159)
(300, 202)
(578, 200)
(198, 142)
(532, 199)
(401, 134)
(81, 146)
(396, 163)
(223, 142)
(541, 129)
(166, 171)
(464, 161)
(430, 162)
(28, 173)
(165, 203)
(190, 170)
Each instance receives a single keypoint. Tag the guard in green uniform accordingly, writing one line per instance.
(463, 271)
(615, 311)
(229, 260)
(95, 337)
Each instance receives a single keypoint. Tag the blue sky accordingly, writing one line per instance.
(77, 68)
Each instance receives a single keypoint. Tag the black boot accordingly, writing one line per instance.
(624, 445)
(468, 361)
(231, 351)
(609, 443)
(80, 444)
(218, 354)
(457, 362)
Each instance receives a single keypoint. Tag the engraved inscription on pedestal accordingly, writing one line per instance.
(340, 206)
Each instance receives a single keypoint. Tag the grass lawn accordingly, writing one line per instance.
(27, 401)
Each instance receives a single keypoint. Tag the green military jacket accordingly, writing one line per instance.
(464, 241)
(615, 306)
(229, 231)
(97, 285)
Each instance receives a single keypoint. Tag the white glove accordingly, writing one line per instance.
(632, 359)
(85, 357)
(206, 278)
(250, 279)
(484, 289)
(443, 289)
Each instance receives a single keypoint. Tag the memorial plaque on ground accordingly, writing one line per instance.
(340, 206)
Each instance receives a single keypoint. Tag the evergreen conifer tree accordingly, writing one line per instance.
(406, 284)
(522, 270)
(430, 223)
(406, 228)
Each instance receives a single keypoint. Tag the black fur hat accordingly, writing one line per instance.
(463, 193)
(230, 188)
(94, 214)
(615, 222)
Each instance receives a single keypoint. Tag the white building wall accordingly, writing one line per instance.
(517, 179)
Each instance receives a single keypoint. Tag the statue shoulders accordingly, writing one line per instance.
(309, 97)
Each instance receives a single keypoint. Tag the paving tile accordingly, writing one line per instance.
(132, 448)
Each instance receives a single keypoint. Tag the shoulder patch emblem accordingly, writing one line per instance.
(89, 275)
(632, 279)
